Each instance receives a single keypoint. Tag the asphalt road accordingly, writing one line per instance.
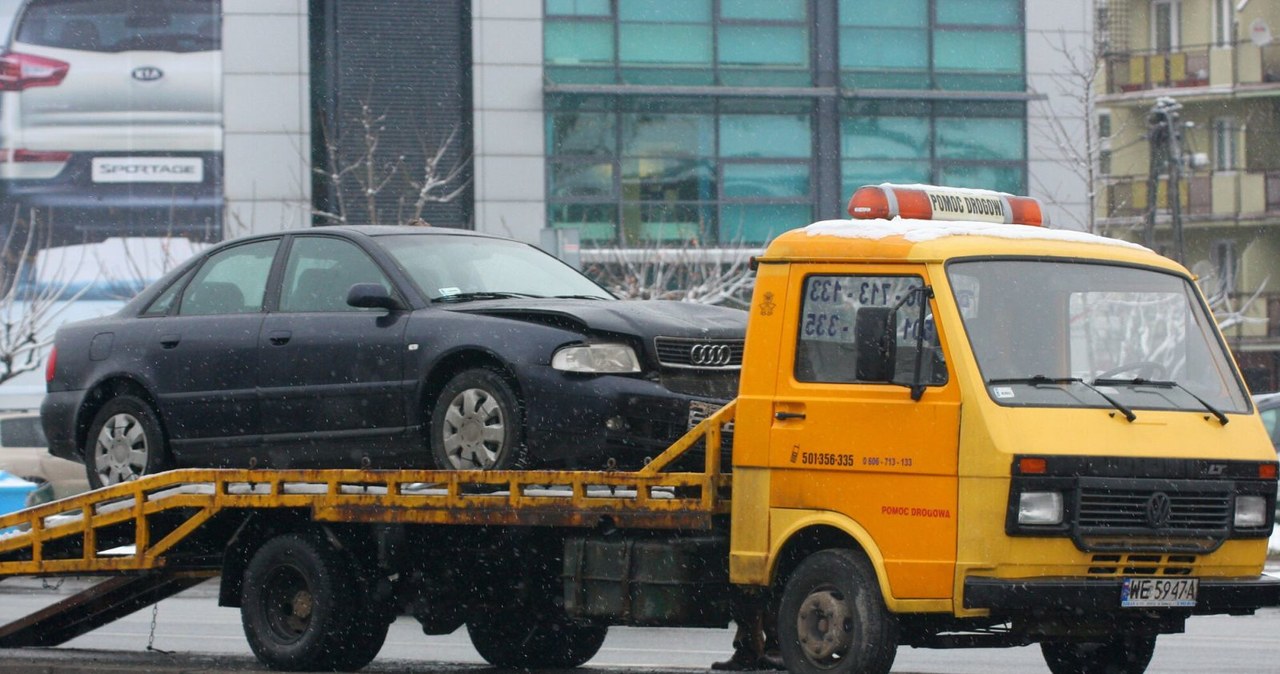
(192, 634)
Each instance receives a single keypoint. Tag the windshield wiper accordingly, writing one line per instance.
(481, 295)
(579, 297)
(1161, 383)
(1039, 380)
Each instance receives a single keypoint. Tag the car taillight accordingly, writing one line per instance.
(23, 71)
(51, 366)
(21, 156)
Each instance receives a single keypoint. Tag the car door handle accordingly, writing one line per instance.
(170, 341)
(279, 337)
(783, 416)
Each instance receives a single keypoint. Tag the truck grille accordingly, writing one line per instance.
(702, 354)
(1168, 510)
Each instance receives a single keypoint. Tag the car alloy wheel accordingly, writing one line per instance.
(476, 423)
(121, 450)
(474, 430)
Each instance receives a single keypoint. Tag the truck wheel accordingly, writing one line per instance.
(476, 424)
(125, 442)
(832, 617)
(1128, 654)
(520, 639)
(303, 609)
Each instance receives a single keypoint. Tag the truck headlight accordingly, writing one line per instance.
(1040, 507)
(1251, 512)
(596, 358)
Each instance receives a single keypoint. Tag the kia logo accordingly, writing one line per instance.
(710, 355)
(147, 73)
(1158, 507)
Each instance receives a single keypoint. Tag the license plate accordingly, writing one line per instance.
(148, 169)
(700, 410)
(1158, 592)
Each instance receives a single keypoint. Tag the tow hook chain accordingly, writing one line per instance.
(151, 638)
(45, 584)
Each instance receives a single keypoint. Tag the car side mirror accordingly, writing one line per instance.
(373, 296)
(877, 345)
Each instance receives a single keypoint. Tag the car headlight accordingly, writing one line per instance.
(596, 358)
(1040, 507)
(1251, 512)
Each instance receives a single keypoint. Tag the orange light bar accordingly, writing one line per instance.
(1032, 465)
(926, 202)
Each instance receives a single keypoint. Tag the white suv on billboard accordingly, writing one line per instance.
(111, 117)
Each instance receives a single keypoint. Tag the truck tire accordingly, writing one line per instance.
(1126, 654)
(524, 640)
(476, 424)
(303, 607)
(832, 618)
(125, 442)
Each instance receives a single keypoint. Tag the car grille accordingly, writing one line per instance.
(701, 354)
(1107, 508)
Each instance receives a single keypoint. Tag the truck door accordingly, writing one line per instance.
(848, 434)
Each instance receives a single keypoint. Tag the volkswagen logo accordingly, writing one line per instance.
(147, 73)
(710, 355)
(1158, 507)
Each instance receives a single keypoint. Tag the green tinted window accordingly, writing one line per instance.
(578, 42)
(985, 51)
(647, 43)
(983, 176)
(764, 45)
(980, 12)
(758, 223)
(913, 13)
(580, 179)
(885, 137)
(858, 172)
(872, 48)
(578, 7)
(649, 135)
(765, 136)
(772, 10)
(580, 133)
(968, 138)
(765, 181)
(665, 11)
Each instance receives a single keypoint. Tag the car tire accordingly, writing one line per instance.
(125, 442)
(477, 424)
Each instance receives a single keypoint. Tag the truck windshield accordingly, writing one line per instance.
(1083, 334)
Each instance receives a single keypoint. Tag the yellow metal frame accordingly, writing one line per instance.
(648, 498)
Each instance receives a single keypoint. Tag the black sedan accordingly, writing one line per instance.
(383, 347)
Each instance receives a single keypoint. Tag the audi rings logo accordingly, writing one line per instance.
(710, 355)
(1158, 507)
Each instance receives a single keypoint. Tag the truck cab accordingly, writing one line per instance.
(1020, 434)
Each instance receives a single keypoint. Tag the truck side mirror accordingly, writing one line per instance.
(877, 345)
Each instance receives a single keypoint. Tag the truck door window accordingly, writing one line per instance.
(863, 329)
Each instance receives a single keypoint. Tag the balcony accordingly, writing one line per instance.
(1242, 65)
(1224, 195)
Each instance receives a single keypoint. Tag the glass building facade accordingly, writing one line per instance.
(726, 122)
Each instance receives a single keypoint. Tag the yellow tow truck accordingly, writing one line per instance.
(955, 427)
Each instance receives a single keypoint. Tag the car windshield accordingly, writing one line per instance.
(123, 25)
(457, 268)
(1075, 334)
